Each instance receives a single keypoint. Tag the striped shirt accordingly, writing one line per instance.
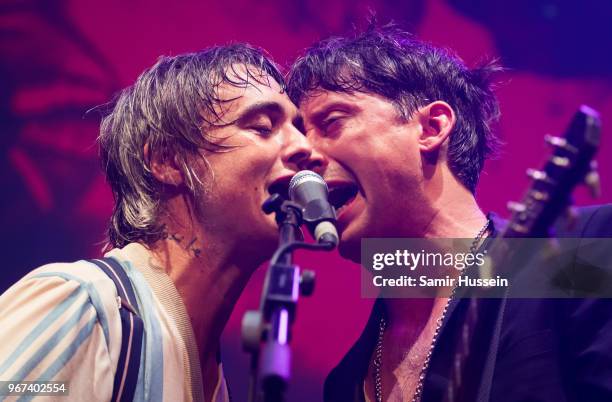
(61, 322)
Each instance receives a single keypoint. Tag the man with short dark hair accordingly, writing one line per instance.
(404, 129)
(191, 151)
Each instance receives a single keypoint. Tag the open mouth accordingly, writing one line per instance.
(341, 195)
(280, 186)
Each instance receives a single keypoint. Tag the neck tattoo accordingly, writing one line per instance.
(378, 352)
(190, 246)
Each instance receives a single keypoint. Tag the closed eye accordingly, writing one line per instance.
(332, 122)
(262, 130)
(261, 124)
(261, 118)
(330, 117)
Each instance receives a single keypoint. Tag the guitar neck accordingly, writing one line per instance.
(533, 216)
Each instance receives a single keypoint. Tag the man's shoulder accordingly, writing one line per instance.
(590, 221)
(58, 281)
(586, 221)
(62, 321)
(83, 272)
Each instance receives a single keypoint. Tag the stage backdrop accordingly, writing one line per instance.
(58, 59)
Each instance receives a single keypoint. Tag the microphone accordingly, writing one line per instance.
(309, 190)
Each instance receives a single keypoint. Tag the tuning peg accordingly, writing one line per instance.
(555, 141)
(560, 161)
(559, 142)
(516, 207)
(593, 181)
(519, 210)
(538, 175)
(539, 195)
(519, 228)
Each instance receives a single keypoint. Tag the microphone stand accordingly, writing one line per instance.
(266, 332)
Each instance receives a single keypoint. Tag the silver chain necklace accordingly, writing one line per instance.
(381, 334)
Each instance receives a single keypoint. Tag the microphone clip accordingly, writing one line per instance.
(266, 332)
(317, 211)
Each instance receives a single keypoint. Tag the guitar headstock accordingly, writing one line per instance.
(571, 163)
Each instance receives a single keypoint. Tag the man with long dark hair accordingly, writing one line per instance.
(190, 151)
(404, 128)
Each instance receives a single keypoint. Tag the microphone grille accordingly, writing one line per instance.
(304, 176)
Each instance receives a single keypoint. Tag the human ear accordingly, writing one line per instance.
(164, 169)
(438, 120)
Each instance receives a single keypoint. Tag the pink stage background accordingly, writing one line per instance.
(59, 59)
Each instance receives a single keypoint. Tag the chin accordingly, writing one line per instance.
(350, 239)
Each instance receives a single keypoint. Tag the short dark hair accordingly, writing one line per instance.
(170, 108)
(410, 73)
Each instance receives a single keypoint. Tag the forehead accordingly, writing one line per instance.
(320, 102)
(246, 87)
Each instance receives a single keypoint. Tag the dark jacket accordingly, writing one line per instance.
(539, 349)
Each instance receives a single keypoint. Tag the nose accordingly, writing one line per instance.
(299, 154)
